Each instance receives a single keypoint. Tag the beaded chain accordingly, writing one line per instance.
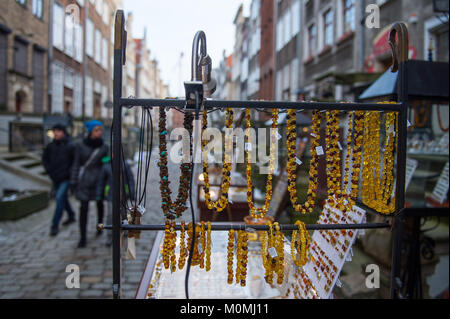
(356, 158)
(377, 185)
(242, 258)
(230, 247)
(203, 245)
(279, 244)
(208, 247)
(175, 209)
(272, 253)
(183, 249)
(169, 244)
(261, 211)
(222, 203)
(291, 166)
(303, 242)
(333, 158)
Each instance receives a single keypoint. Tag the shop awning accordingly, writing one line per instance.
(426, 80)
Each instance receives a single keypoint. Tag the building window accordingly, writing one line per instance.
(37, 8)
(98, 46)
(311, 40)
(90, 38)
(58, 27)
(22, 2)
(3, 69)
(20, 56)
(38, 84)
(328, 27)
(349, 15)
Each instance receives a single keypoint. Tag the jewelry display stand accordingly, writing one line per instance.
(195, 103)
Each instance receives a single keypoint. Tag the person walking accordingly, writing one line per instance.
(85, 173)
(104, 189)
(57, 159)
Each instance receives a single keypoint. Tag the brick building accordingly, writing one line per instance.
(266, 53)
(24, 56)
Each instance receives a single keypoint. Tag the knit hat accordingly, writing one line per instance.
(91, 124)
(59, 127)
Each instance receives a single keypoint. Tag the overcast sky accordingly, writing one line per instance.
(171, 27)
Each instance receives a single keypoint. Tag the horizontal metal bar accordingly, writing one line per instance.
(264, 105)
(226, 227)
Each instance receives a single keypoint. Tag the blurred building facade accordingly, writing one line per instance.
(324, 49)
(57, 59)
(24, 46)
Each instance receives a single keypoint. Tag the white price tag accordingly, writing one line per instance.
(278, 136)
(339, 283)
(409, 124)
(313, 135)
(339, 145)
(299, 162)
(248, 146)
(319, 150)
(273, 252)
(200, 250)
(391, 129)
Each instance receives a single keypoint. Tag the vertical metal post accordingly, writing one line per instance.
(400, 64)
(116, 150)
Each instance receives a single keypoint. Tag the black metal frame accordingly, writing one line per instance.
(119, 103)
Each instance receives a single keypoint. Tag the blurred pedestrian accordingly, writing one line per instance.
(104, 189)
(57, 159)
(85, 174)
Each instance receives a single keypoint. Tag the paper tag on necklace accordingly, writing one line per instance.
(313, 135)
(409, 124)
(391, 129)
(299, 162)
(339, 283)
(273, 252)
(349, 258)
(319, 150)
(248, 146)
(278, 136)
(339, 145)
(200, 250)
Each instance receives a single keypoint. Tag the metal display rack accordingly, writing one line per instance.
(400, 58)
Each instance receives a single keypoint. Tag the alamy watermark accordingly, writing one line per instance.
(372, 20)
(228, 146)
(373, 277)
(73, 279)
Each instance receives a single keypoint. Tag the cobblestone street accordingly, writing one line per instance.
(33, 264)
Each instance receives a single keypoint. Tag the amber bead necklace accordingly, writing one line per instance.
(303, 241)
(291, 167)
(222, 202)
(175, 209)
(377, 186)
(333, 165)
(261, 211)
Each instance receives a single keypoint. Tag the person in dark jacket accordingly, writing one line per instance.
(86, 170)
(104, 189)
(57, 160)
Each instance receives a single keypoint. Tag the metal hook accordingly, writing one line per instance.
(400, 50)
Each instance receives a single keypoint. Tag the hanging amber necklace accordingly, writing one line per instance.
(333, 158)
(261, 211)
(303, 241)
(354, 150)
(291, 166)
(378, 185)
(175, 209)
(222, 203)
